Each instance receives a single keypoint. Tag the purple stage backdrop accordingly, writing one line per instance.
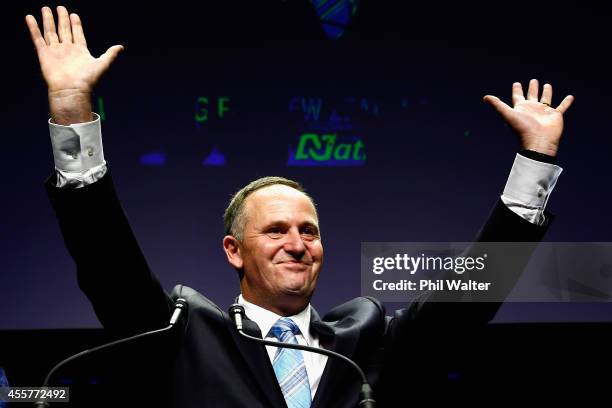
(374, 106)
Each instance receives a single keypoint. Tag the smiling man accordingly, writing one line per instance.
(273, 240)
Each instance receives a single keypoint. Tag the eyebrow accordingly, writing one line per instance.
(284, 224)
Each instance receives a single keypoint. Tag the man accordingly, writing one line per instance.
(273, 240)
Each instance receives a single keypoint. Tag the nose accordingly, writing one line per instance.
(294, 244)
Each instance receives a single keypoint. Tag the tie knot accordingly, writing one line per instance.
(283, 327)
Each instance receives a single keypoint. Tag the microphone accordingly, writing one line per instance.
(180, 305)
(366, 394)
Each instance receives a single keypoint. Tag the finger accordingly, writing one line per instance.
(532, 91)
(547, 94)
(109, 56)
(78, 36)
(517, 93)
(565, 103)
(49, 26)
(503, 109)
(63, 25)
(37, 37)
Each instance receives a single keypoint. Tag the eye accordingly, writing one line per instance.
(309, 233)
(274, 232)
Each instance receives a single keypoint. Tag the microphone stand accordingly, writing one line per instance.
(179, 306)
(366, 394)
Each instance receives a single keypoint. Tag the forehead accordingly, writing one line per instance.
(279, 203)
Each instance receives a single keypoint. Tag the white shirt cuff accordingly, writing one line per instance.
(77, 147)
(529, 187)
(78, 153)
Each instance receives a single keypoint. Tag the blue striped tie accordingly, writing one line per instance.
(289, 365)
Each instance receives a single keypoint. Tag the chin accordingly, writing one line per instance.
(301, 291)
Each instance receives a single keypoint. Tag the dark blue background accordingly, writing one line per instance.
(437, 156)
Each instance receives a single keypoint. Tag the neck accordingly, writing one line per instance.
(287, 306)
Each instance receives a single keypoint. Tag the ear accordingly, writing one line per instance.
(231, 246)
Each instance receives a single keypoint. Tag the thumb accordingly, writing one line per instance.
(109, 56)
(503, 109)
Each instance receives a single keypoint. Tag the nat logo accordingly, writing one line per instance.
(327, 150)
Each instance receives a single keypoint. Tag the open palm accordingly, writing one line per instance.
(65, 61)
(538, 125)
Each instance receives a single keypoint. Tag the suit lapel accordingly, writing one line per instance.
(338, 337)
(258, 361)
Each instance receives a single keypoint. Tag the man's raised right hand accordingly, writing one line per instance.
(68, 68)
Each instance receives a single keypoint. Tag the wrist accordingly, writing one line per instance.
(70, 106)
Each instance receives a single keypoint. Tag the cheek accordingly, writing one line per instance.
(316, 251)
(270, 252)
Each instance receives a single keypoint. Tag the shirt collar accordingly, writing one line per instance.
(265, 319)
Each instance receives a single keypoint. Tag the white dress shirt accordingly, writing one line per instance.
(265, 319)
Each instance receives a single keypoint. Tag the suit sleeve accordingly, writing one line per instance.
(426, 339)
(111, 269)
(503, 225)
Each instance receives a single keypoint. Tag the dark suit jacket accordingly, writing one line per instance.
(212, 366)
